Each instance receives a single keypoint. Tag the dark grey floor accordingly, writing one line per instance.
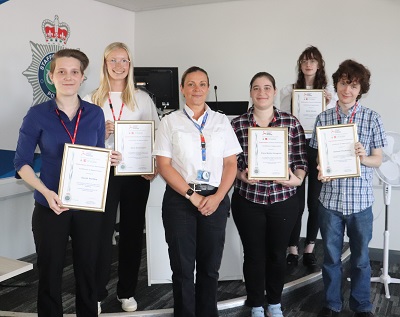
(19, 294)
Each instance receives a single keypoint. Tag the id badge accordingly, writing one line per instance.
(203, 176)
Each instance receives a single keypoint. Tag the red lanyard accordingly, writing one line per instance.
(352, 114)
(73, 138)
(112, 110)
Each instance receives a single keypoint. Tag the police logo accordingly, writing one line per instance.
(56, 35)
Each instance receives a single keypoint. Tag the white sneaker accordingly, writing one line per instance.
(128, 304)
(257, 312)
(98, 308)
(274, 310)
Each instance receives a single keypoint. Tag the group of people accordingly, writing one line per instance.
(200, 155)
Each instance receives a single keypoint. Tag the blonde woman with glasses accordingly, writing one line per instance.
(119, 99)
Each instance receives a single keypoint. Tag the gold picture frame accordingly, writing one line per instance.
(336, 152)
(134, 139)
(268, 153)
(84, 177)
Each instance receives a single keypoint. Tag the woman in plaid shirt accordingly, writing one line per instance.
(266, 211)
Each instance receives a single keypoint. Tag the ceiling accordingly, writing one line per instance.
(148, 5)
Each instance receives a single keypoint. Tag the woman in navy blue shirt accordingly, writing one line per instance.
(65, 119)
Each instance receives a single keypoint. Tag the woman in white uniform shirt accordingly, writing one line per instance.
(196, 155)
(121, 101)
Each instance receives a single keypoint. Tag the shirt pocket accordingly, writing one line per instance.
(182, 143)
(216, 142)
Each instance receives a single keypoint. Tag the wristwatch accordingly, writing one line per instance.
(189, 193)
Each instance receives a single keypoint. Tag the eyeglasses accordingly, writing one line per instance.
(123, 62)
(311, 61)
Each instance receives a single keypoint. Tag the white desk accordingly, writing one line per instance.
(10, 268)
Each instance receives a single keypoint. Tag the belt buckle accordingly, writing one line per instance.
(196, 185)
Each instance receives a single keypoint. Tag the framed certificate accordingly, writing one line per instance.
(336, 153)
(268, 153)
(84, 177)
(135, 141)
(307, 104)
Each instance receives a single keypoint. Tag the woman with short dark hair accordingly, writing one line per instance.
(64, 119)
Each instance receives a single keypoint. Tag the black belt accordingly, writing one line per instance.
(200, 187)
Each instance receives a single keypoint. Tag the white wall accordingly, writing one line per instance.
(93, 25)
(234, 40)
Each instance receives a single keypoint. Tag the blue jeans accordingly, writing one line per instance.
(359, 230)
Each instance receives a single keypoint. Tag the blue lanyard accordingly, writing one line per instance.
(200, 128)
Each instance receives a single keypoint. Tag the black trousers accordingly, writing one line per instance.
(313, 191)
(194, 241)
(131, 194)
(51, 233)
(264, 231)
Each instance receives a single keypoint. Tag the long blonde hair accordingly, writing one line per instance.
(100, 95)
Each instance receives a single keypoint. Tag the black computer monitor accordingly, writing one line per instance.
(161, 83)
(230, 108)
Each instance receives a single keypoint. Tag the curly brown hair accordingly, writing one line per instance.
(351, 71)
(320, 80)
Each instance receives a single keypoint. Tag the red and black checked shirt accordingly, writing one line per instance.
(266, 192)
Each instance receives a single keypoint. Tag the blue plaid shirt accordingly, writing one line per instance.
(352, 195)
(268, 192)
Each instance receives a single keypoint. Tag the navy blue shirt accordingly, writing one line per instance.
(42, 127)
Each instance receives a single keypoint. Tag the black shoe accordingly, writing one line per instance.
(292, 259)
(364, 314)
(310, 260)
(326, 312)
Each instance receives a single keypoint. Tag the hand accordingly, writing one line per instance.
(322, 178)
(244, 177)
(208, 205)
(54, 202)
(328, 96)
(196, 199)
(150, 177)
(109, 128)
(360, 151)
(116, 158)
(292, 182)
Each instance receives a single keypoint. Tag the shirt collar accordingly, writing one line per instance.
(191, 113)
(351, 109)
(53, 104)
(250, 115)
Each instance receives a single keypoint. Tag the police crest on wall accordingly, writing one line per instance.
(56, 34)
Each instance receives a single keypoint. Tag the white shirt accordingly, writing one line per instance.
(144, 110)
(179, 139)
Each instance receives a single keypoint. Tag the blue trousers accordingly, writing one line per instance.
(359, 230)
(194, 241)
